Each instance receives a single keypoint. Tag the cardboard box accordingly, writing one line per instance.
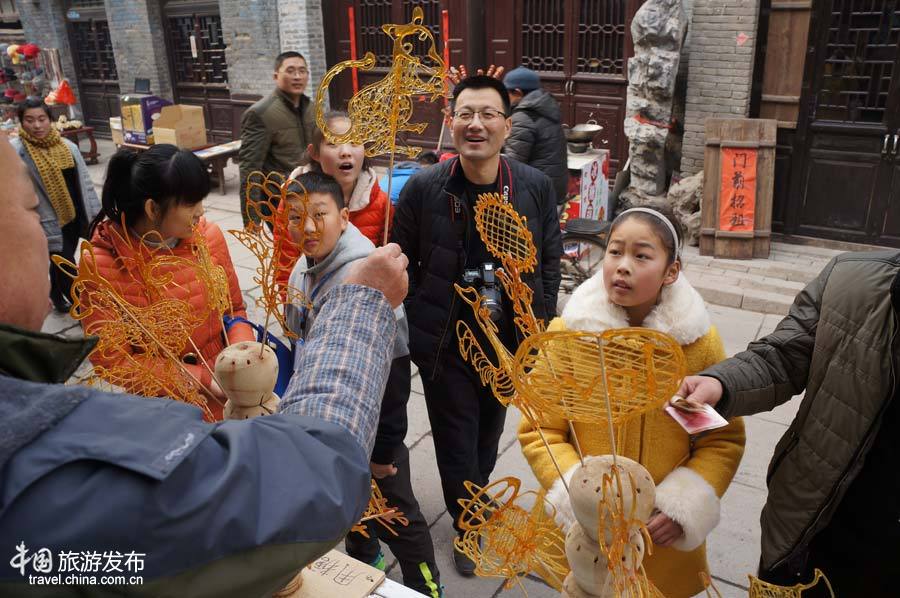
(115, 126)
(138, 115)
(182, 125)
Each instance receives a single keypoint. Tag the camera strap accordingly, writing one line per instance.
(503, 185)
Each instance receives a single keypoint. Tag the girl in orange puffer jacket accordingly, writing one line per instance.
(161, 191)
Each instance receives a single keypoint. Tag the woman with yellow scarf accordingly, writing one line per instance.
(68, 200)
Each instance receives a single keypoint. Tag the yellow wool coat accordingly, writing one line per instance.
(691, 473)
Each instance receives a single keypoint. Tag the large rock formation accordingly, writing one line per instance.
(658, 31)
(684, 200)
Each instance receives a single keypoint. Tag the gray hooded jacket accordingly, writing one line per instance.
(315, 280)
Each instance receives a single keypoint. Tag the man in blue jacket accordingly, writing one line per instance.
(95, 484)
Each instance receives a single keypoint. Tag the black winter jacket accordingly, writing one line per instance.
(537, 139)
(423, 229)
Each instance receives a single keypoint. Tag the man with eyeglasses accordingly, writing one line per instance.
(276, 130)
(434, 225)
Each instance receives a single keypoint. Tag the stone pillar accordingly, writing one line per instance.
(302, 29)
(250, 30)
(658, 31)
(44, 24)
(139, 44)
(720, 73)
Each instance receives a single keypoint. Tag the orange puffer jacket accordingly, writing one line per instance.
(113, 252)
(369, 218)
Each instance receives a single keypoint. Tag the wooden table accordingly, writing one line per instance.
(74, 134)
(215, 157)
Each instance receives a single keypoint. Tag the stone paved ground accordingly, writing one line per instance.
(733, 546)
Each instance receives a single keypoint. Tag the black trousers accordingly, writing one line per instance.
(412, 546)
(854, 568)
(60, 283)
(466, 424)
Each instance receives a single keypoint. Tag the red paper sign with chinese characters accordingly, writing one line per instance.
(737, 193)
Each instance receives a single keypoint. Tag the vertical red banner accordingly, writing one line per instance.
(737, 189)
(351, 16)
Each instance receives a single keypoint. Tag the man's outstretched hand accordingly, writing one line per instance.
(700, 390)
(384, 270)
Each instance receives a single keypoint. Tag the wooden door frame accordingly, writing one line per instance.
(89, 14)
(818, 36)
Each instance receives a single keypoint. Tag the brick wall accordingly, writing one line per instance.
(44, 24)
(139, 45)
(250, 30)
(302, 30)
(720, 70)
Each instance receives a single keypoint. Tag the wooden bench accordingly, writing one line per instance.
(73, 135)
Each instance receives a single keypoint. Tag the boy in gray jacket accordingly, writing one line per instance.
(332, 245)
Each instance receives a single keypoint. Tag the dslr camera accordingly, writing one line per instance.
(484, 278)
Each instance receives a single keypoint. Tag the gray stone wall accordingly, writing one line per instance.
(250, 30)
(302, 29)
(720, 70)
(139, 45)
(44, 24)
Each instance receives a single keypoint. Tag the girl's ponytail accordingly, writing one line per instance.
(117, 193)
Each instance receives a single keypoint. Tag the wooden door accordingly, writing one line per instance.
(581, 50)
(850, 173)
(98, 80)
(369, 16)
(196, 52)
(600, 48)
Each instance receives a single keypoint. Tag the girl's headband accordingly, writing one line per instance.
(664, 220)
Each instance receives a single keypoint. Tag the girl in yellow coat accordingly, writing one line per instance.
(641, 285)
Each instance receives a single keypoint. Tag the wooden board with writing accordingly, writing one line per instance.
(336, 575)
(738, 182)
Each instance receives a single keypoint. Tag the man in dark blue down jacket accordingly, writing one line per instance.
(536, 136)
(235, 508)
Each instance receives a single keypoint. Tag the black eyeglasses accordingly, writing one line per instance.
(485, 114)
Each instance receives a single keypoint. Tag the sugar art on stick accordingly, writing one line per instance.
(383, 109)
(144, 342)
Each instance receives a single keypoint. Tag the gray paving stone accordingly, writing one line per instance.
(765, 302)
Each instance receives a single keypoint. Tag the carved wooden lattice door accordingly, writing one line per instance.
(580, 48)
(98, 80)
(197, 60)
(850, 165)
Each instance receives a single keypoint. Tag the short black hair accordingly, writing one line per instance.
(279, 60)
(32, 102)
(319, 182)
(482, 82)
(428, 158)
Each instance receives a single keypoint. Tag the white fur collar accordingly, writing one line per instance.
(681, 312)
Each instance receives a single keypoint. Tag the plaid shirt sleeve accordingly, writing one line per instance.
(342, 369)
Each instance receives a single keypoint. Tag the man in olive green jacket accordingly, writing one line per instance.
(834, 488)
(276, 130)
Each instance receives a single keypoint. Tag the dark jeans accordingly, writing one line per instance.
(412, 546)
(60, 283)
(466, 424)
